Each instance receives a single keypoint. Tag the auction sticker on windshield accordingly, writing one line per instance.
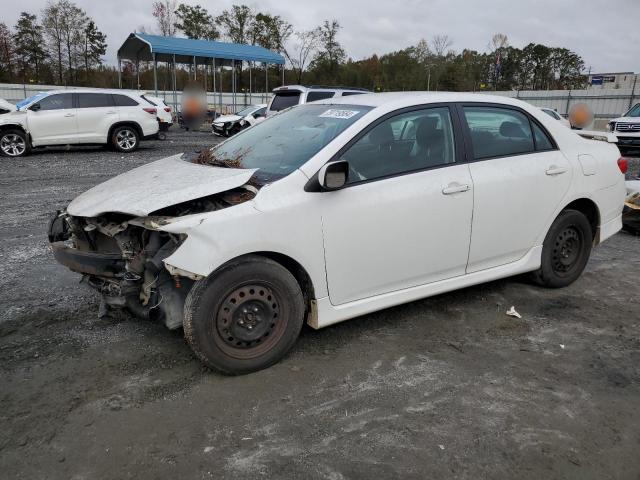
(334, 113)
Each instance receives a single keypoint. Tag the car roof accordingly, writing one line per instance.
(406, 99)
(94, 90)
(308, 88)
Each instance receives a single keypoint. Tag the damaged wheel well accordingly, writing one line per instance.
(297, 270)
(13, 126)
(590, 210)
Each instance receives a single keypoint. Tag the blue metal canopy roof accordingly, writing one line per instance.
(141, 46)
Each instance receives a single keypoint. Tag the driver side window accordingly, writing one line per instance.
(407, 142)
(59, 101)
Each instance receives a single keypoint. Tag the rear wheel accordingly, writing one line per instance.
(246, 317)
(125, 139)
(14, 143)
(565, 251)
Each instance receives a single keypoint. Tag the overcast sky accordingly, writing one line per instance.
(606, 34)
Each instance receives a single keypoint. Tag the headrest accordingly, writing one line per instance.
(382, 134)
(427, 133)
(512, 129)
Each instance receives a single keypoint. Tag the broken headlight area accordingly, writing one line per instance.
(122, 256)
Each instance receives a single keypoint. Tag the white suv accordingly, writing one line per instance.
(74, 117)
(627, 128)
(290, 95)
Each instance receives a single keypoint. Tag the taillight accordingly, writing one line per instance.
(151, 111)
(623, 165)
(167, 109)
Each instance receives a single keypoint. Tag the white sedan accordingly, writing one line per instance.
(227, 125)
(335, 209)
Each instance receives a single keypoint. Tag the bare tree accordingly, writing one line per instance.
(441, 44)
(53, 29)
(301, 50)
(165, 15)
(499, 41)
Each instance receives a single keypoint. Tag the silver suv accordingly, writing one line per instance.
(290, 95)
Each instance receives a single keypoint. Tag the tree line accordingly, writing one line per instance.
(66, 47)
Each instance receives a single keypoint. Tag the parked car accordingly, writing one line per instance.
(554, 114)
(338, 208)
(227, 125)
(165, 115)
(75, 117)
(6, 107)
(627, 128)
(288, 96)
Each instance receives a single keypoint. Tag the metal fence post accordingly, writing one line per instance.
(633, 91)
(566, 110)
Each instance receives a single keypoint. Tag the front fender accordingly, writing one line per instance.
(215, 238)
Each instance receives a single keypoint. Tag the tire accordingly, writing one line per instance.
(14, 143)
(244, 317)
(125, 139)
(565, 251)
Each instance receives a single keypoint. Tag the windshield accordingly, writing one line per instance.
(286, 141)
(30, 100)
(634, 112)
(247, 111)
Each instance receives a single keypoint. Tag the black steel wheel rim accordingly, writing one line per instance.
(249, 320)
(567, 250)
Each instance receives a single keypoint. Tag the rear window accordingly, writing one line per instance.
(313, 96)
(94, 100)
(124, 101)
(284, 100)
(149, 101)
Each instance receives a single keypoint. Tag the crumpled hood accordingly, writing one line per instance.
(15, 116)
(227, 118)
(157, 185)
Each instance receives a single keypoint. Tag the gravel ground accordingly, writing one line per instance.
(444, 387)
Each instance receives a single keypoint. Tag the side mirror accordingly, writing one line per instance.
(334, 175)
(35, 107)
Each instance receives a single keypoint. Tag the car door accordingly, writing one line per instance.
(519, 177)
(52, 120)
(258, 116)
(96, 113)
(404, 217)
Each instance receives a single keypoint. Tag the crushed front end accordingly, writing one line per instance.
(121, 256)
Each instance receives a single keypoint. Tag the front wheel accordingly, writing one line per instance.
(565, 251)
(245, 317)
(14, 143)
(125, 139)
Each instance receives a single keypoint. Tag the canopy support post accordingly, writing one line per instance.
(175, 87)
(220, 89)
(195, 69)
(283, 74)
(233, 84)
(119, 72)
(155, 74)
(250, 86)
(213, 73)
(266, 81)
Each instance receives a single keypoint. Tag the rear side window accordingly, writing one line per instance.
(348, 94)
(543, 142)
(60, 101)
(124, 101)
(149, 101)
(94, 100)
(284, 100)
(497, 132)
(313, 96)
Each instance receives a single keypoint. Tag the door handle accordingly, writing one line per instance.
(70, 115)
(455, 187)
(555, 170)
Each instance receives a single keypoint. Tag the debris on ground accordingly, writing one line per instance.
(512, 312)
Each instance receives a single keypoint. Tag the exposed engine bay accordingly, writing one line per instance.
(121, 255)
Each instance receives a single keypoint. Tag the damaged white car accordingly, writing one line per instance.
(338, 208)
